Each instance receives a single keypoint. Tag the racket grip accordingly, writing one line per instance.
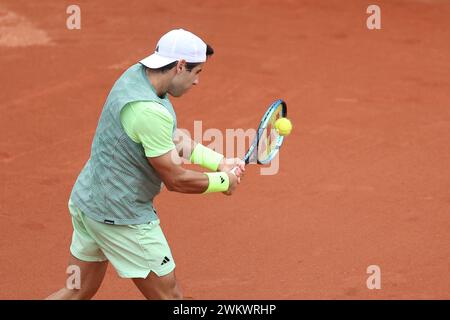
(233, 171)
(237, 171)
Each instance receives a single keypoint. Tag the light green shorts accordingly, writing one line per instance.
(133, 250)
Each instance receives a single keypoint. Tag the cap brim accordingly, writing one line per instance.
(155, 61)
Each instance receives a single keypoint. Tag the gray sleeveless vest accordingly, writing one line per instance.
(117, 185)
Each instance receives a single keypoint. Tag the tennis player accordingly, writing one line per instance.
(133, 154)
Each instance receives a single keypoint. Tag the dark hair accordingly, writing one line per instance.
(165, 68)
(189, 65)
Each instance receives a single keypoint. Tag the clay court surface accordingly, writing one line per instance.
(364, 178)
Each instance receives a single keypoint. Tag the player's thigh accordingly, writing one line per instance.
(84, 246)
(159, 287)
(85, 276)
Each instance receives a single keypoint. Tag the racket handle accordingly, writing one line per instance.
(237, 171)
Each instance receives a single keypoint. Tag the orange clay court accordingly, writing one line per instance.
(364, 177)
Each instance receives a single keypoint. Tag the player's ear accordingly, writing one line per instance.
(181, 65)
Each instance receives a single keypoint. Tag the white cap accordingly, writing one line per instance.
(176, 45)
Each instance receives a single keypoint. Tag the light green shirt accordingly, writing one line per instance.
(150, 124)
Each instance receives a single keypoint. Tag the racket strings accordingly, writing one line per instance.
(270, 138)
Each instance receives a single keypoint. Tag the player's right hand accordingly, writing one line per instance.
(234, 177)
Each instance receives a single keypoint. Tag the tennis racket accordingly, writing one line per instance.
(267, 142)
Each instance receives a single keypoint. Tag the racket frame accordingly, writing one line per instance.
(261, 129)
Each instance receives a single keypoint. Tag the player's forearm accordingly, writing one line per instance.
(195, 182)
(188, 181)
(176, 178)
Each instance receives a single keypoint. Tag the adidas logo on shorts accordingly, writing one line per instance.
(165, 260)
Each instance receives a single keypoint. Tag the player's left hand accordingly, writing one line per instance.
(227, 164)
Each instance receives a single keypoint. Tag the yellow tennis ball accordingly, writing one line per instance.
(283, 126)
